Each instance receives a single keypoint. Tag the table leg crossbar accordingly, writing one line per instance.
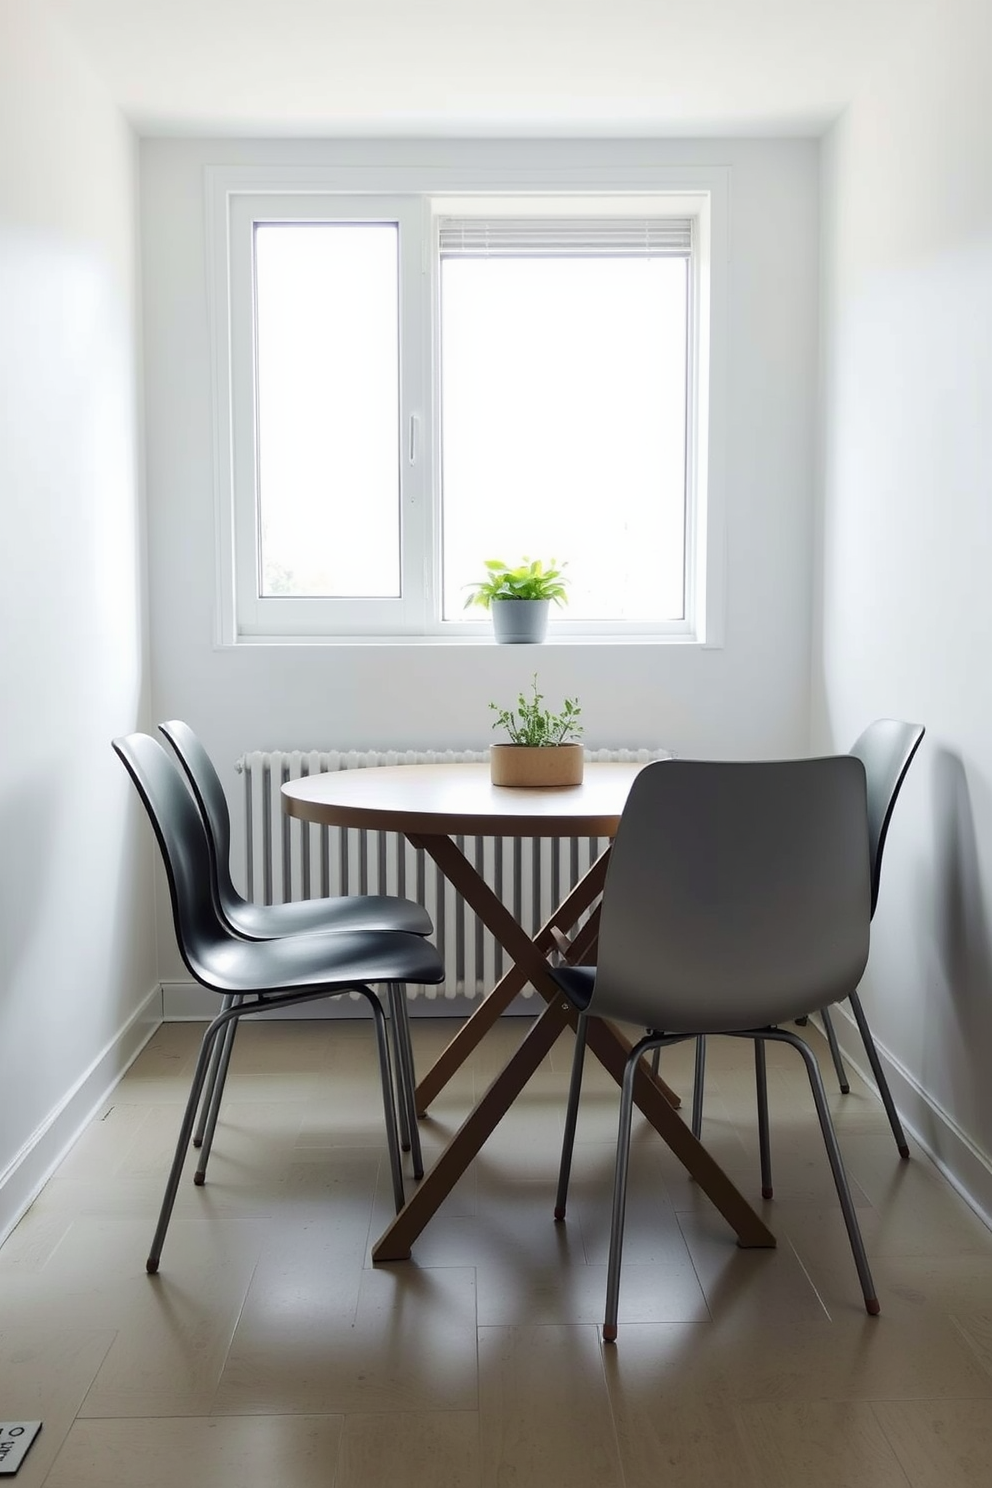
(606, 1041)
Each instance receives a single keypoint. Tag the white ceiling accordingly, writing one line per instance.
(483, 67)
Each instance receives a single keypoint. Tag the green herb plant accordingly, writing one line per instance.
(531, 724)
(529, 580)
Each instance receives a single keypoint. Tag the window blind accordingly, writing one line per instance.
(565, 237)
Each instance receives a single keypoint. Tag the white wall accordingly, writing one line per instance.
(906, 544)
(77, 952)
(749, 698)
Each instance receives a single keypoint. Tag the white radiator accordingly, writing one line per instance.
(289, 859)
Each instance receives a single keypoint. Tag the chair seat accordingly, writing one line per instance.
(355, 912)
(243, 967)
(577, 983)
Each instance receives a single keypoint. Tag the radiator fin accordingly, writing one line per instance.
(288, 859)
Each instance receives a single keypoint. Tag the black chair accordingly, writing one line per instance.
(737, 898)
(254, 976)
(272, 921)
(269, 921)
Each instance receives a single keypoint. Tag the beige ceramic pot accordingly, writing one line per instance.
(521, 765)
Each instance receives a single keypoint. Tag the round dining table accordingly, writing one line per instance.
(432, 805)
(460, 798)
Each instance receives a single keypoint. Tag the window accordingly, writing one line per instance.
(327, 378)
(412, 383)
(563, 364)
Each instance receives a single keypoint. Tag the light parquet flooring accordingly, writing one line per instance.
(269, 1351)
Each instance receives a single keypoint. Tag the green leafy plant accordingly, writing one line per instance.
(529, 580)
(531, 724)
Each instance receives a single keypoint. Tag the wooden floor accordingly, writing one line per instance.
(270, 1352)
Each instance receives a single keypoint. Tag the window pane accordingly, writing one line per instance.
(564, 427)
(328, 421)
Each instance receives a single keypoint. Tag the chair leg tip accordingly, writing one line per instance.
(768, 1193)
(904, 1152)
(871, 1306)
(151, 1265)
(197, 1142)
(609, 1332)
(559, 1214)
(199, 1179)
(845, 1089)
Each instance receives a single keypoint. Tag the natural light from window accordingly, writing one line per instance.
(327, 329)
(563, 427)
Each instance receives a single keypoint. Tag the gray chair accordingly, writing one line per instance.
(738, 898)
(255, 976)
(271, 921)
(886, 748)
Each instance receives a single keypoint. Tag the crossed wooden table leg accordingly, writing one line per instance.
(604, 1039)
(474, 1029)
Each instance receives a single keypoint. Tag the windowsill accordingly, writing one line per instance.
(487, 641)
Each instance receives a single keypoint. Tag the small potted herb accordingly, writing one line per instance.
(519, 598)
(544, 747)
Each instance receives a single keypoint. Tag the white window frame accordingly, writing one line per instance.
(238, 196)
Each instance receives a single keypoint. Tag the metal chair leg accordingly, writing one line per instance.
(211, 1102)
(389, 1109)
(879, 1073)
(571, 1116)
(406, 1083)
(620, 1194)
(403, 1109)
(215, 1061)
(699, 1080)
(214, 1029)
(764, 1140)
(213, 1095)
(835, 1054)
(406, 1051)
(836, 1164)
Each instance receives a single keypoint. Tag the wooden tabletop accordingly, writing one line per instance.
(460, 799)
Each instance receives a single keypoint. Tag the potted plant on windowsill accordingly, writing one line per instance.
(543, 748)
(519, 598)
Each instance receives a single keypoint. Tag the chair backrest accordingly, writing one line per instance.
(737, 895)
(182, 838)
(205, 784)
(886, 749)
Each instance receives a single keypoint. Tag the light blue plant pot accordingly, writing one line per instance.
(519, 622)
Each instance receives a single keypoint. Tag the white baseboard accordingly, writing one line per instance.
(963, 1164)
(185, 1002)
(26, 1175)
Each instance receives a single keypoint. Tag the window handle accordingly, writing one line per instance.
(414, 424)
